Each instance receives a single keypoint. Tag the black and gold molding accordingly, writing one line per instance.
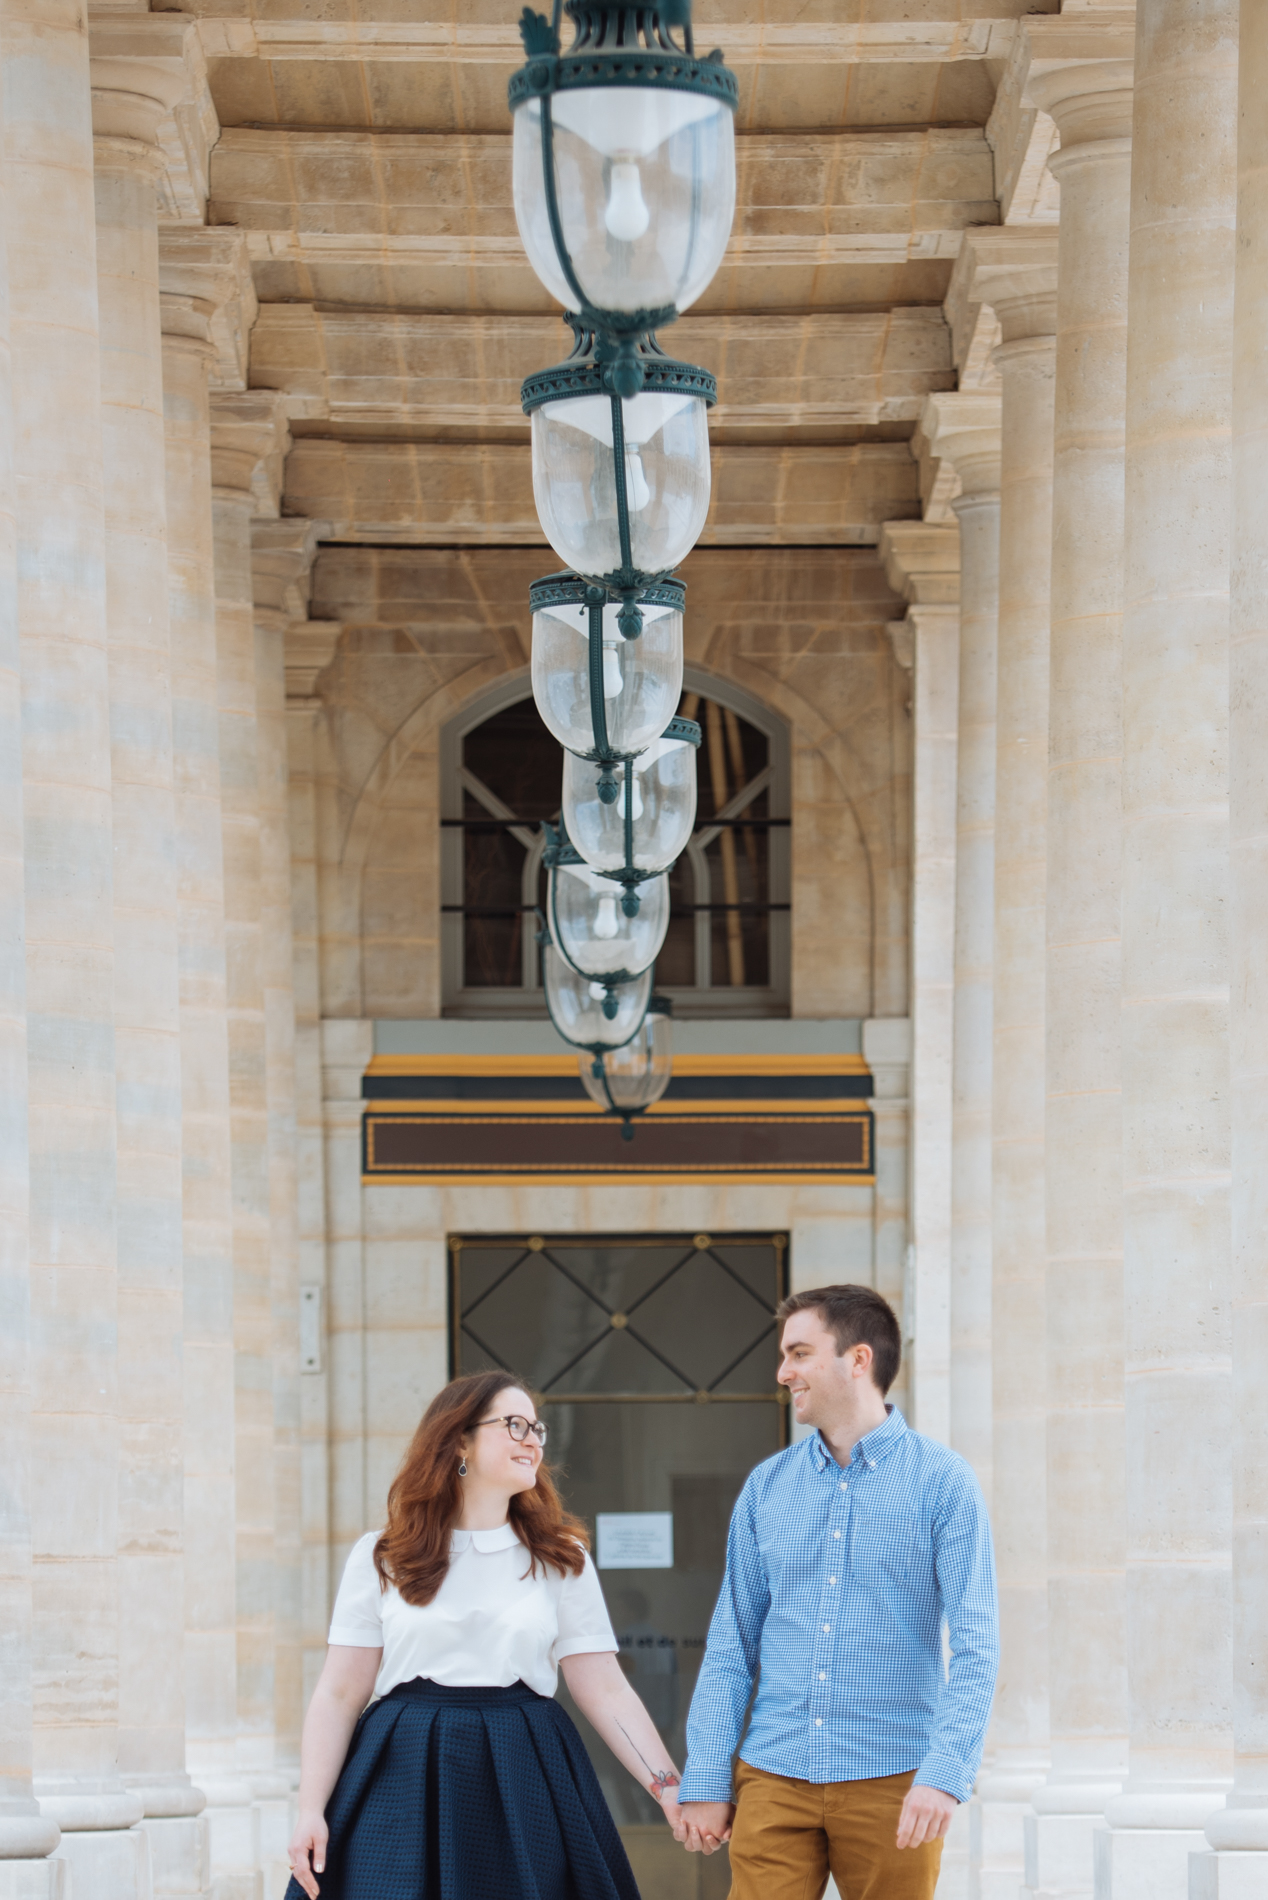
(451, 1120)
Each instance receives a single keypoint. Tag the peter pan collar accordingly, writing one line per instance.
(503, 1538)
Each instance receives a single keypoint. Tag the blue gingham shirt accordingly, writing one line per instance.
(837, 1586)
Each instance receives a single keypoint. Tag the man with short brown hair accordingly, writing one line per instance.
(848, 1553)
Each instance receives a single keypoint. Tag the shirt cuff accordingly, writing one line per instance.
(586, 1646)
(354, 1638)
(702, 1783)
(946, 1772)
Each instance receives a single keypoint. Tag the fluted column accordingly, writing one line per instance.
(68, 885)
(1091, 103)
(1176, 1155)
(246, 439)
(26, 1837)
(1015, 272)
(964, 431)
(200, 274)
(1239, 1832)
(132, 94)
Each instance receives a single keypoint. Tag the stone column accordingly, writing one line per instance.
(247, 446)
(1238, 1869)
(963, 431)
(26, 1837)
(1090, 101)
(201, 275)
(1015, 273)
(282, 557)
(1176, 1156)
(922, 563)
(310, 646)
(68, 884)
(138, 74)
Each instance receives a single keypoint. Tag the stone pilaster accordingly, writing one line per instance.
(1015, 273)
(138, 75)
(68, 889)
(26, 1836)
(247, 449)
(1237, 1869)
(201, 276)
(1176, 1155)
(963, 433)
(922, 563)
(1079, 72)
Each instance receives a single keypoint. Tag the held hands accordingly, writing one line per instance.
(926, 1816)
(307, 1851)
(699, 1826)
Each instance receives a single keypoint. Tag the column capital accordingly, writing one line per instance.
(309, 649)
(150, 91)
(922, 562)
(206, 293)
(282, 556)
(249, 440)
(1079, 69)
(1014, 270)
(962, 427)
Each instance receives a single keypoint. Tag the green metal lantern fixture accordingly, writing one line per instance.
(626, 1081)
(624, 166)
(645, 829)
(592, 1016)
(621, 483)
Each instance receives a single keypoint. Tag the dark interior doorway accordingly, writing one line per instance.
(654, 1356)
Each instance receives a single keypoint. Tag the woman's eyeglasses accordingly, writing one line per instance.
(519, 1428)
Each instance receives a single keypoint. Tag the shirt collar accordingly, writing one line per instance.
(870, 1449)
(503, 1538)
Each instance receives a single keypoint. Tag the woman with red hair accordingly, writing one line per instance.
(463, 1779)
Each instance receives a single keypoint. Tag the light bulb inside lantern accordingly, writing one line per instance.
(637, 488)
(636, 803)
(611, 670)
(627, 216)
(605, 923)
(597, 992)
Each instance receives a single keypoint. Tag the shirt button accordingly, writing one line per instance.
(826, 1628)
(818, 1721)
(836, 1533)
(844, 1485)
(823, 1675)
(831, 1579)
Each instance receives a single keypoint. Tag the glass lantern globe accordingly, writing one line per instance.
(659, 787)
(642, 678)
(631, 1078)
(644, 184)
(667, 478)
(577, 1006)
(589, 924)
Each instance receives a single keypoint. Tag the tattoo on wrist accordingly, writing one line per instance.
(666, 1778)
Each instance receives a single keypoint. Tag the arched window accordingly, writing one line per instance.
(727, 951)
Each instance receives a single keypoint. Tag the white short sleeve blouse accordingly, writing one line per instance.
(492, 1622)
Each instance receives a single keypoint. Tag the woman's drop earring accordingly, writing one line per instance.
(462, 1468)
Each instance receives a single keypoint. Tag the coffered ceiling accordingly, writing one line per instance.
(365, 151)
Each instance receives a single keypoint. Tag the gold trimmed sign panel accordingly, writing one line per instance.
(451, 1120)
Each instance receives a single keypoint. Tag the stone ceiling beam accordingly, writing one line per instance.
(404, 373)
(445, 73)
(425, 220)
(437, 493)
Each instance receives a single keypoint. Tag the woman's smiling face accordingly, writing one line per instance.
(493, 1457)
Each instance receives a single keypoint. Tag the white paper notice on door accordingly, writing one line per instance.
(635, 1540)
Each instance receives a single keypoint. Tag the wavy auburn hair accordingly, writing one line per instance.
(425, 1501)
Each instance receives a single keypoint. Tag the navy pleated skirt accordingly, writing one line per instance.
(469, 1794)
